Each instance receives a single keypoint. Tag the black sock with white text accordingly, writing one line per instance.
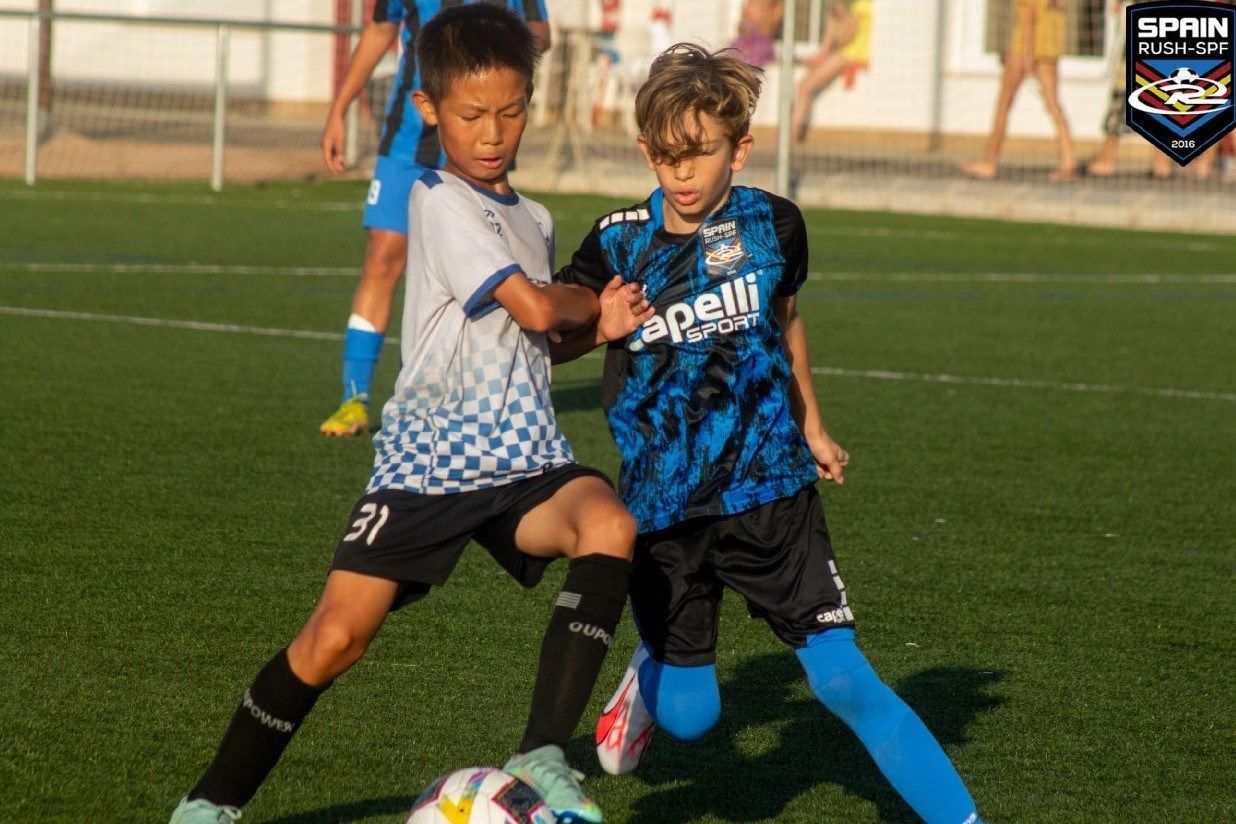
(267, 718)
(578, 636)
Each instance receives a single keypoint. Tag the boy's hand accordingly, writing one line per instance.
(830, 459)
(623, 310)
(333, 140)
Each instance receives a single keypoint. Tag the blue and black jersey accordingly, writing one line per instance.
(698, 400)
(404, 134)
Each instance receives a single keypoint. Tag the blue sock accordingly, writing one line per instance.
(360, 354)
(903, 748)
(684, 701)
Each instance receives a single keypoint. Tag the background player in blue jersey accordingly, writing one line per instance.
(712, 406)
(407, 146)
(469, 447)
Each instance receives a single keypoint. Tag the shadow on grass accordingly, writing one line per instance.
(713, 776)
(353, 811)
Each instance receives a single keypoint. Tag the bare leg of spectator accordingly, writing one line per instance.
(1049, 79)
(1104, 165)
(819, 77)
(1010, 81)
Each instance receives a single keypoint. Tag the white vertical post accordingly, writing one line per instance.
(351, 154)
(216, 162)
(32, 102)
(815, 23)
(785, 98)
(937, 79)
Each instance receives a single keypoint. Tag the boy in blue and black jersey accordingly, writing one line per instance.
(407, 147)
(712, 407)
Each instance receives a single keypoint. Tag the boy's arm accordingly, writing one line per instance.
(791, 229)
(589, 269)
(549, 307)
(536, 18)
(623, 310)
(376, 37)
(540, 34)
(830, 458)
(467, 253)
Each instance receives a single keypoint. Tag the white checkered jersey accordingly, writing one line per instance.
(471, 408)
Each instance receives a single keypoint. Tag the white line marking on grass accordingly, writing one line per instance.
(196, 325)
(1018, 383)
(1077, 239)
(875, 374)
(185, 269)
(1014, 277)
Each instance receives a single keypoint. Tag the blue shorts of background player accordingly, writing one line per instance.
(405, 149)
(386, 204)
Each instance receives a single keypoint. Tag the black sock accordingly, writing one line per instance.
(262, 726)
(578, 636)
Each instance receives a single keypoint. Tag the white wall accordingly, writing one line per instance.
(293, 66)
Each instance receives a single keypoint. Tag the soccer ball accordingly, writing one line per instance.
(479, 795)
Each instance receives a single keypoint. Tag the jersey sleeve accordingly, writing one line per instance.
(588, 266)
(464, 247)
(792, 237)
(389, 11)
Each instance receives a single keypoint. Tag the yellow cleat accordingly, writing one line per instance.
(349, 420)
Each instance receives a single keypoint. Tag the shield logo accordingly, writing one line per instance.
(1179, 74)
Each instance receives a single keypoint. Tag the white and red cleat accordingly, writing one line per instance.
(625, 727)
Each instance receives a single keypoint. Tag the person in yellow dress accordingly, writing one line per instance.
(845, 50)
(1034, 49)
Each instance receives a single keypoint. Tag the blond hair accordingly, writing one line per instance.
(686, 82)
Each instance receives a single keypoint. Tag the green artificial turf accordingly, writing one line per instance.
(1041, 564)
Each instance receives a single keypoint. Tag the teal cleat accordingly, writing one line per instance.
(201, 811)
(545, 770)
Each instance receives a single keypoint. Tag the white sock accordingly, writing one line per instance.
(355, 321)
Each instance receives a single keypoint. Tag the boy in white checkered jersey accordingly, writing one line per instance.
(469, 448)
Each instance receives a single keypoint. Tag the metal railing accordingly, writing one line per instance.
(223, 29)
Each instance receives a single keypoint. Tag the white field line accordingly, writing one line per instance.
(858, 230)
(196, 325)
(874, 374)
(1130, 239)
(1014, 277)
(1018, 383)
(188, 269)
(183, 269)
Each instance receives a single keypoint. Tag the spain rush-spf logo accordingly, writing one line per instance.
(1180, 74)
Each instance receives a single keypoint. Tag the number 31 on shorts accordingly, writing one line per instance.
(361, 525)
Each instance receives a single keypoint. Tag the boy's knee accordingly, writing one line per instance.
(611, 531)
(326, 648)
(685, 701)
(842, 679)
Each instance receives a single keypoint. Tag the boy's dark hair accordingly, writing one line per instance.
(685, 82)
(471, 38)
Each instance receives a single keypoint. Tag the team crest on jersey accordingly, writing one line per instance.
(723, 250)
(1180, 75)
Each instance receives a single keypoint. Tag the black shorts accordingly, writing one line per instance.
(417, 539)
(777, 556)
